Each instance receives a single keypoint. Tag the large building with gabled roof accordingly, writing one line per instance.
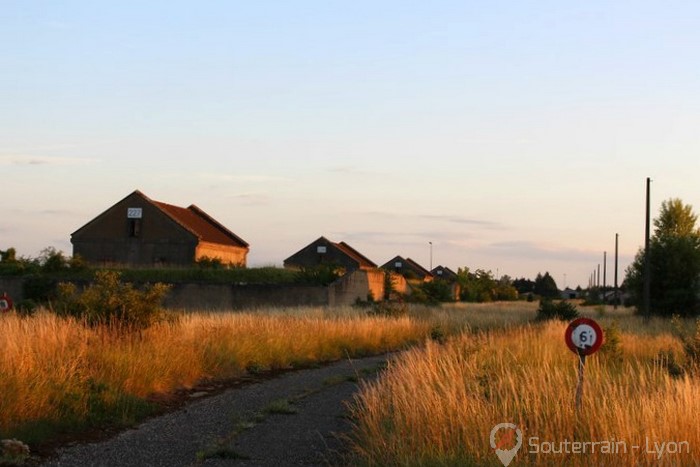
(139, 231)
(408, 268)
(325, 252)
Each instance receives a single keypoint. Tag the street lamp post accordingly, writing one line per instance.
(431, 256)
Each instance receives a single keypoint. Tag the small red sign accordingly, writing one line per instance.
(584, 336)
(5, 303)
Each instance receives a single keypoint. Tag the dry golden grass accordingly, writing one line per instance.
(56, 371)
(437, 405)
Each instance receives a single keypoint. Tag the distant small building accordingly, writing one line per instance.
(140, 231)
(408, 268)
(325, 252)
(444, 273)
(569, 294)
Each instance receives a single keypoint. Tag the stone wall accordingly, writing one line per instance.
(357, 285)
(215, 297)
(203, 296)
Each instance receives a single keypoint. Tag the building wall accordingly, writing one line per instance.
(399, 284)
(227, 254)
(160, 240)
(310, 257)
(357, 285)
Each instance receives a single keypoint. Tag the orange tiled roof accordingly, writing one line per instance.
(201, 224)
(356, 255)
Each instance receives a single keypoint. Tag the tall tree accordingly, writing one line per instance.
(546, 286)
(674, 262)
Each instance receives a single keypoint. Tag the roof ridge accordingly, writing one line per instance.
(354, 252)
(415, 264)
(200, 212)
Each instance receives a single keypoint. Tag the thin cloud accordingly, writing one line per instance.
(439, 218)
(251, 199)
(252, 178)
(31, 160)
(463, 220)
(530, 250)
(353, 170)
(57, 212)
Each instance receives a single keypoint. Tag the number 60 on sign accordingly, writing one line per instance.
(584, 336)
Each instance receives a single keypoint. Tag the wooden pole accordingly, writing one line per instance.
(617, 298)
(647, 264)
(579, 388)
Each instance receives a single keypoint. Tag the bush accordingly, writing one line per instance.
(109, 301)
(392, 309)
(563, 310)
(612, 344)
(39, 288)
(437, 291)
(691, 344)
(53, 260)
(324, 274)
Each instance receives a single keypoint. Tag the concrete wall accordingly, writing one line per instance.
(199, 296)
(357, 285)
(236, 297)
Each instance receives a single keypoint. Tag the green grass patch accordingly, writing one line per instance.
(280, 406)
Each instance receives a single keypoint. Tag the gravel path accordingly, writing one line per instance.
(294, 419)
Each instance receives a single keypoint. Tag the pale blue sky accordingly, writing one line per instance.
(516, 136)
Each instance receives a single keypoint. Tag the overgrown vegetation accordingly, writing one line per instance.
(562, 310)
(108, 301)
(437, 405)
(481, 286)
(691, 345)
(43, 274)
(674, 263)
(60, 376)
(323, 274)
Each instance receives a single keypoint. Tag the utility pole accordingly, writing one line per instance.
(647, 264)
(605, 271)
(598, 281)
(616, 296)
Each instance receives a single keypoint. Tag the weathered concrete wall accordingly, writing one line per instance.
(199, 296)
(236, 297)
(357, 285)
(399, 284)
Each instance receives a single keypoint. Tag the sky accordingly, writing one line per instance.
(515, 136)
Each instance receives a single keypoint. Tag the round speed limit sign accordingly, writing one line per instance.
(584, 336)
(5, 303)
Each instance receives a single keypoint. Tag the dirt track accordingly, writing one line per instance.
(294, 419)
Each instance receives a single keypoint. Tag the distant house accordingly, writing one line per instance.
(407, 268)
(325, 252)
(444, 273)
(143, 232)
(569, 294)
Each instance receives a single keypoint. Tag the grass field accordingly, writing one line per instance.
(58, 375)
(475, 365)
(437, 404)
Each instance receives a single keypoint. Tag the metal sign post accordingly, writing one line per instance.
(584, 337)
